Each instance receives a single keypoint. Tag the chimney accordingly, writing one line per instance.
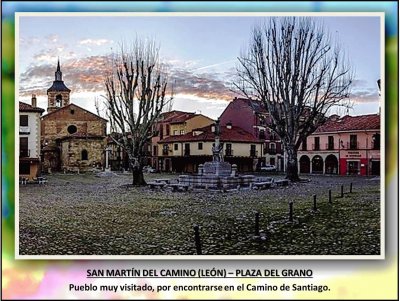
(34, 102)
(229, 125)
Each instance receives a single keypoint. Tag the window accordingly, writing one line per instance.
(182, 132)
(376, 141)
(187, 149)
(304, 145)
(23, 120)
(228, 149)
(72, 129)
(23, 147)
(24, 168)
(175, 132)
(316, 143)
(200, 145)
(165, 149)
(167, 130)
(84, 155)
(353, 142)
(72, 111)
(330, 143)
(261, 134)
(176, 146)
(253, 152)
(59, 101)
(155, 150)
(272, 161)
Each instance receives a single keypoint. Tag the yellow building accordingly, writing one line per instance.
(183, 153)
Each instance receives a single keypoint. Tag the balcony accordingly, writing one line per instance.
(24, 153)
(375, 145)
(353, 145)
(271, 151)
(253, 153)
(330, 146)
(229, 152)
(24, 130)
(165, 152)
(315, 147)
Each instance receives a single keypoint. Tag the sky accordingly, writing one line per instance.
(201, 53)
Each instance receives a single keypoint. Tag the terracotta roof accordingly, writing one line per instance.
(24, 107)
(235, 134)
(351, 123)
(177, 116)
(256, 105)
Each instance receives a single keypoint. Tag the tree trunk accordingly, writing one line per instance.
(137, 173)
(137, 177)
(292, 172)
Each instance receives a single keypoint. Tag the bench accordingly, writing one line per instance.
(282, 182)
(165, 181)
(262, 185)
(178, 187)
(23, 181)
(156, 185)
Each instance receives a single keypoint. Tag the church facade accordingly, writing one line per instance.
(72, 138)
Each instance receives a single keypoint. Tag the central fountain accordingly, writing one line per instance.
(217, 174)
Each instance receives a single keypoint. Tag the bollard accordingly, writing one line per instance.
(291, 211)
(197, 239)
(257, 225)
(315, 202)
(341, 191)
(351, 187)
(330, 196)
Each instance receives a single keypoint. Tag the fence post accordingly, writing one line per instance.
(341, 191)
(315, 202)
(351, 187)
(257, 225)
(197, 239)
(330, 196)
(291, 211)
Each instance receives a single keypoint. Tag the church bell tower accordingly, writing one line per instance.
(58, 93)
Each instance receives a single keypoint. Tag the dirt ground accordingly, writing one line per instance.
(86, 215)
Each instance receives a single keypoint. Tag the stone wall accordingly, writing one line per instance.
(71, 154)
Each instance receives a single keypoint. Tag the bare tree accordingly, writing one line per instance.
(136, 86)
(299, 73)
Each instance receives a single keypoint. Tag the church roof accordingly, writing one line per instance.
(74, 105)
(58, 86)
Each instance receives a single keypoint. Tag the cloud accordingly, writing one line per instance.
(97, 42)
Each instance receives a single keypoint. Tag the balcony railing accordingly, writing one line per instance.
(330, 146)
(270, 151)
(24, 130)
(229, 152)
(24, 153)
(354, 145)
(315, 147)
(253, 153)
(165, 152)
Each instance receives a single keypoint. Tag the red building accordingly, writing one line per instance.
(345, 146)
(252, 116)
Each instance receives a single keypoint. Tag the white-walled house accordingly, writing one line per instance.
(29, 139)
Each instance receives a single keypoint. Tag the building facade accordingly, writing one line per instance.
(252, 116)
(172, 125)
(29, 139)
(346, 146)
(184, 153)
(72, 138)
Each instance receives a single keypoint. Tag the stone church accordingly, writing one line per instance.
(72, 138)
